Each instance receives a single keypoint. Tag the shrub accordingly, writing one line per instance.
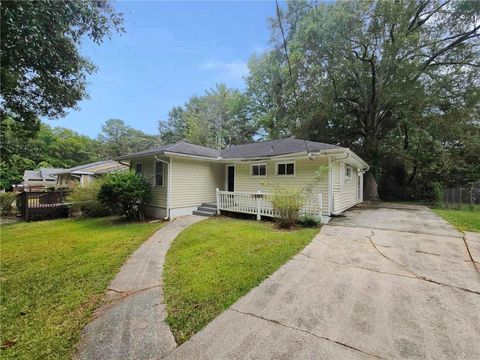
(309, 221)
(287, 202)
(125, 193)
(7, 203)
(85, 200)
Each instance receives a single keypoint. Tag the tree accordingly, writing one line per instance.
(358, 72)
(118, 139)
(55, 147)
(42, 71)
(175, 128)
(218, 119)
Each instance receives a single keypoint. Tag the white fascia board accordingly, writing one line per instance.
(197, 157)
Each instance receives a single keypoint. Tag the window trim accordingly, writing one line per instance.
(135, 167)
(155, 173)
(286, 162)
(346, 177)
(258, 164)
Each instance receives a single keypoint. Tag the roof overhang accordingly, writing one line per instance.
(330, 152)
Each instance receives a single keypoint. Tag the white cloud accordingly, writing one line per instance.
(233, 71)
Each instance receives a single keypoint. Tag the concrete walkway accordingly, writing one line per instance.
(131, 323)
(385, 282)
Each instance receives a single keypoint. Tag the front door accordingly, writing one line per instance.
(230, 178)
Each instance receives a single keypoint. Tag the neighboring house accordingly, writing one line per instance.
(85, 174)
(38, 180)
(185, 176)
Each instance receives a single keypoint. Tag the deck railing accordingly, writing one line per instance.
(42, 205)
(259, 204)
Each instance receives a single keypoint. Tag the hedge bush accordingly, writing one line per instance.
(7, 206)
(125, 193)
(85, 199)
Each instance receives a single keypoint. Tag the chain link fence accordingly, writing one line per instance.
(461, 197)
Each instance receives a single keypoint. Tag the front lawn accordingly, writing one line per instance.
(53, 274)
(465, 220)
(213, 263)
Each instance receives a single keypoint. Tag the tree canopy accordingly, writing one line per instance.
(382, 77)
(59, 147)
(42, 71)
(117, 139)
(218, 118)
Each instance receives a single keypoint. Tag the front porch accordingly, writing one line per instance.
(259, 204)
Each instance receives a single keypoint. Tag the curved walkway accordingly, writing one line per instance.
(131, 325)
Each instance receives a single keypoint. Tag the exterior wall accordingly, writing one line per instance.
(156, 212)
(194, 182)
(305, 172)
(344, 190)
(159, 193)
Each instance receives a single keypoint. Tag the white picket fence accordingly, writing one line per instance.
(259, 204)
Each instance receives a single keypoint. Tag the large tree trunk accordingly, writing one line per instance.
(370, 188)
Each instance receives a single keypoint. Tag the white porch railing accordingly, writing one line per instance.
(259, 204)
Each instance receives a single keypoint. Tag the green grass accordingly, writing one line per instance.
(465, 220)
(213, 263)
(53, 275)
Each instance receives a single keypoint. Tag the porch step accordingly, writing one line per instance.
(202, 213)
(210, 205)
(206, 209)
(213, 210)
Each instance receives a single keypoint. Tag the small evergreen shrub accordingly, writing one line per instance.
(125, 193)
(85, 200)
(7, 203)
(309, 221)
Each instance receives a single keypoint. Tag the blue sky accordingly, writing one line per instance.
(170, 51)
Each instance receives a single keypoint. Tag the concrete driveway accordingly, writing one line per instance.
(386, 281)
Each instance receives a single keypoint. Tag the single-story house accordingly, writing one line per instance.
(38, 180)
(188, 178)
(85, 174)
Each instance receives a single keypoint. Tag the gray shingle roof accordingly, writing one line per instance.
(85, 167)
(42, 173)
(181, 147)
(274, 148)
(252, 150)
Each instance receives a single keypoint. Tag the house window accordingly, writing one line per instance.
(259, 170)
(286, 168)
(139, 168)
(348, 173)
(158, 173)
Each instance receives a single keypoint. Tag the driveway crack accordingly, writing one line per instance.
(464, 237)
(368, 269)
(369, 237)
(310, 333)
(419, 277)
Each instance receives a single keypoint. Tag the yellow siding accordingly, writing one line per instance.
(344, 195)
(305, 172)
(194, 182)
(159, 193)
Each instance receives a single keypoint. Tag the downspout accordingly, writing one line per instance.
(169, 198)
